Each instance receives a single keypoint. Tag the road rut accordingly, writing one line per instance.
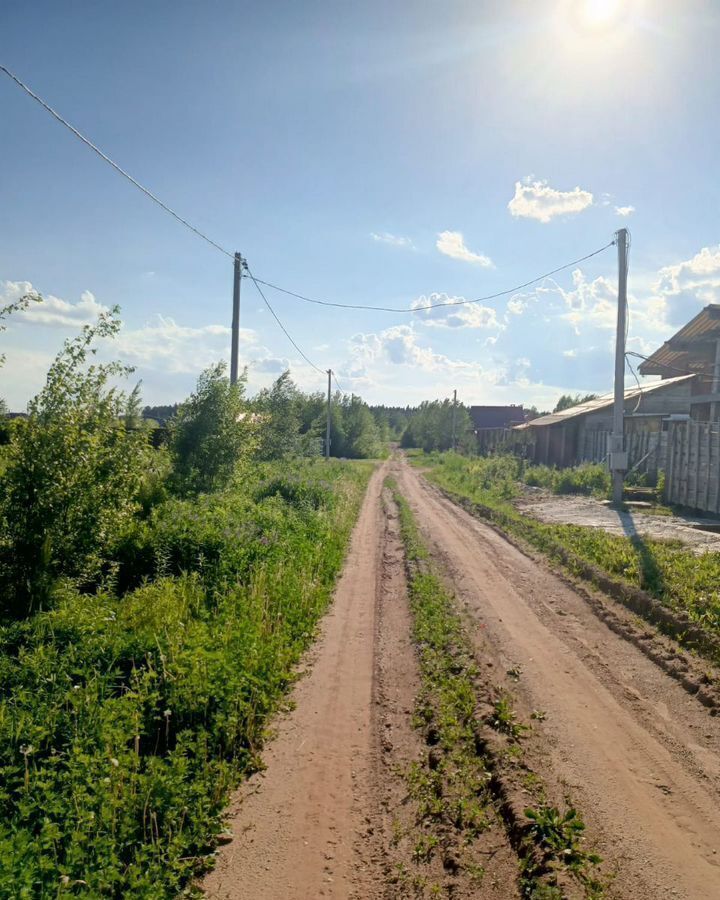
(640, 757)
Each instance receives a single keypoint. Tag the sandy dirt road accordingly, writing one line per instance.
(640, 757)
(637, 755)
(295, 826)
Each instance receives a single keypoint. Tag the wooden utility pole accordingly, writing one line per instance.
(327, 428)
(235, 339)
(454, 419)
(618, 456)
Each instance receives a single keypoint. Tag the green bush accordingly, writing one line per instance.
(73, 475)
(588, 478)
(125, 720)
(212, 433)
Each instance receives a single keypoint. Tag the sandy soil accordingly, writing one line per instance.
(296, 824)
(587, 511)
(638, 755)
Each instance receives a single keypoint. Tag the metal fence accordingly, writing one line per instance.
(692, 465)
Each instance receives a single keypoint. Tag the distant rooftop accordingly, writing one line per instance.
(496, 416)
(582, 409)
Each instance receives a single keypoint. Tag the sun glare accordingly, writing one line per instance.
(600, 13)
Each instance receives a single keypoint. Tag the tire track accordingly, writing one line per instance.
(646, 783)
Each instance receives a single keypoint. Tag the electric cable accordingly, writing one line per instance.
(337, 383)
(416, 309)
(112, 163)
(284, 329)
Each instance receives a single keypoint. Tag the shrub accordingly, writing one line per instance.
(211, 434)
(125, 721)
(73, 475)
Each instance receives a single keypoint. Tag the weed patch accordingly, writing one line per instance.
(126, 716)
(457, 789)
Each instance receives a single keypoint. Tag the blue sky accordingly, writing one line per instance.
(364, 153)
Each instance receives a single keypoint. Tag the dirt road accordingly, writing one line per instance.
(641, 758)
(637, 755)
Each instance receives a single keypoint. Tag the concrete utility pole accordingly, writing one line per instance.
(327, 429)
(618, 456)
(454, 418)
(235, 339)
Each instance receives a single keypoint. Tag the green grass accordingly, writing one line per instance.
(667, 570)
(126, 716)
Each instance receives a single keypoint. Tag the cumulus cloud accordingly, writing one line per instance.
(452, 243)
(537, 200)
(274, 365)
(52, 311)
(395, 240)
(164, 344)
(442, 311)
(589, 302)
(399, 346)
(624, 211)
(689, 285)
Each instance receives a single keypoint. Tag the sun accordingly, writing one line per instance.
(597, 15)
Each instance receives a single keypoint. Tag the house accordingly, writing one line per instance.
(694, 349)
(579, 433)
(491, 424)
(496, 416)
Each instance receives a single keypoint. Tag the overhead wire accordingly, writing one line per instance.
(277, 319)
(416, 309)
(258, 281)
(106, 158)
(148, 193)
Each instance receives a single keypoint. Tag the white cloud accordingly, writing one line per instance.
(452, 243)
(395, 240)
(701, 273)
(446, 313)
(537, 200)
(624, 210)
(399, 346)
(163, 344)
(52, 311)
(689, 285)
(274, 365)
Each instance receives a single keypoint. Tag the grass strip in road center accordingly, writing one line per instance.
(462, 788)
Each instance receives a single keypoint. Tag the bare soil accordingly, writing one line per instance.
(702, 535)
(640, 757)
(331, 816)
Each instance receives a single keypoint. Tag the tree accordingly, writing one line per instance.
(74, 471)
(279, 408)
(360, 438)
(211, 434)
(567, 401)
(430, 427)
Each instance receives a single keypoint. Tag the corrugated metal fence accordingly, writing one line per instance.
(688, 453)
(692, 465)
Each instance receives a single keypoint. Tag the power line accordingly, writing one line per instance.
(337, 383)
(286, 332)
(114, 165)
(398, 309)
(666, 365)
